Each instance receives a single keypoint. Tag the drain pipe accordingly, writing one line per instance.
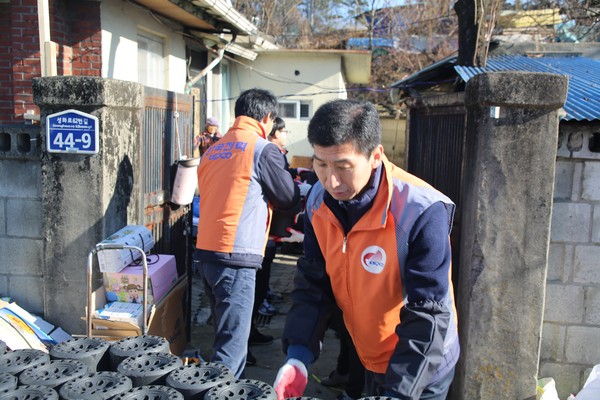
(209, 67)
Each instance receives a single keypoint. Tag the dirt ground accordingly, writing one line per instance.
(269, 357)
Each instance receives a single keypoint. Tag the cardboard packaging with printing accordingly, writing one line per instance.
(168, 319)
(132, 235)
(127, 284)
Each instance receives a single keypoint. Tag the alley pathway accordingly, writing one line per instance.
(269, 357)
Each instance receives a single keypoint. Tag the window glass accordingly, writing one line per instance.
(151, 60)
(294, 109)
(304, 111)
(288, 109)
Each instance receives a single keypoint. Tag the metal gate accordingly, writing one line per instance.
(436, 142)
(435, 150)
(167, 128)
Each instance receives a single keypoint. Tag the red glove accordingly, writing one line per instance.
(291, 379)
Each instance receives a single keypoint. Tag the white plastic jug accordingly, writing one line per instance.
(185, 182)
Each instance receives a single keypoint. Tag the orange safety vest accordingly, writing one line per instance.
(234, 214)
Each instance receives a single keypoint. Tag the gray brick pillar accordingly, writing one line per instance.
(512, 131)
(85, 198)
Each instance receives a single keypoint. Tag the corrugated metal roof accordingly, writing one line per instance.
(424, 76)
(583, 97)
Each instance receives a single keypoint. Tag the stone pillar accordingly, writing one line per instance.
(85, 198)
(512, 131)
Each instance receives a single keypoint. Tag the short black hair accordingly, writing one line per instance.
(256, 104)
(278, 125)
(346, 121)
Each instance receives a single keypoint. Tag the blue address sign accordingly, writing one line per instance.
(73, 132)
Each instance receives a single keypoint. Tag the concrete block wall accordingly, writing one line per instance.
(21, 238)
(571, 332)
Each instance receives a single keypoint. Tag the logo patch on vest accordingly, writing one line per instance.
(373, 259)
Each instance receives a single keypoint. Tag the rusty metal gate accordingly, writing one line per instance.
(166, 137)
(436, 140)
(167, 126)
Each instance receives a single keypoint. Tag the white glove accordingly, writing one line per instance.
(295, 237)
(291, 379)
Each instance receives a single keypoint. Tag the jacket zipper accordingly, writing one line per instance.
(344, 244)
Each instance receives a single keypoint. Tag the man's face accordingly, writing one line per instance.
(343, 171)
(212, 129)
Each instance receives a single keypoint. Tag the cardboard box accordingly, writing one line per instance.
(132, 235)
(168, 319)
(123, 312)
(301, 162)
(127, 285)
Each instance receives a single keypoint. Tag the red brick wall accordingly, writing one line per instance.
(78, 33)
(6, 92)
(74, 27)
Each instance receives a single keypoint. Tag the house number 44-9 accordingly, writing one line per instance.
(69, 140)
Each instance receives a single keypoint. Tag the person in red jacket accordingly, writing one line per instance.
(376, 244)
(241, 178)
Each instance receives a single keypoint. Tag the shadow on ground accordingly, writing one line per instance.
(269, 357)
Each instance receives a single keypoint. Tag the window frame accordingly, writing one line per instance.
(156, 76)
(298, 104)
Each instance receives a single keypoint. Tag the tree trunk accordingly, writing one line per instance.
(467, 32)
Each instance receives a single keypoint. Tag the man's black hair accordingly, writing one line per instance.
(256, 104)
(346, 121)
(278, 124)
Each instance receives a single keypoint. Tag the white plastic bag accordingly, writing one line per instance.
(546, 389)
(591, 388)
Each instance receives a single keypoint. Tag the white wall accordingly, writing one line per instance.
(293, 75)
(393, 139)
(121, 22)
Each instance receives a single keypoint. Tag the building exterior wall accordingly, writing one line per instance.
(91, 38)
(75, 28)
(571, 331)
(75, 31)
(6, 78)
(393, 139)
(121, 22)
(304, 76)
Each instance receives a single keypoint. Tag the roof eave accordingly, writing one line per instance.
(208, 16)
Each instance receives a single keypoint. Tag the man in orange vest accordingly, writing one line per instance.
(241, 178)
(377, 244)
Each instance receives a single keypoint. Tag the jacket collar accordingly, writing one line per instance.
(247, 124)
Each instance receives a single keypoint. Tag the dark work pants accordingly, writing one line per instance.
(435, 391)
(262, 277)
(348, 361)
